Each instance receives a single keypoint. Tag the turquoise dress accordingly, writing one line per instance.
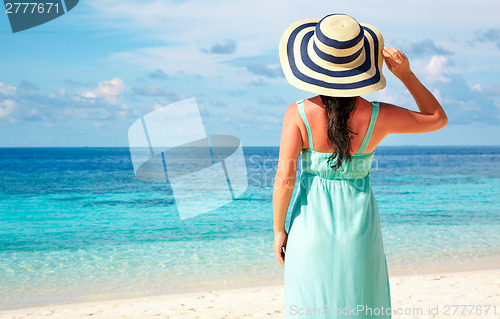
(335, 265)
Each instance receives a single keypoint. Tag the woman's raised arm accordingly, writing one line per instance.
(395, 119)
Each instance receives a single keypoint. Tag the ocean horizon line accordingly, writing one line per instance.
(266, 146)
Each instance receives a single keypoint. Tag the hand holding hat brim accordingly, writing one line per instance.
(397, 62)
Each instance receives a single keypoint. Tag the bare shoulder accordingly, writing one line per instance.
(292, 115)
(291, 110)
(388, 114)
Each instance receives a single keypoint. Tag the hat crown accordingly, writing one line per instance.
(339, 31)
(334, 56)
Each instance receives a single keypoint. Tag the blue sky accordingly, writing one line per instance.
(84, 78)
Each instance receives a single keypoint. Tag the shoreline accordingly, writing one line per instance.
(472, 287)
(493, 263)
(235, 283)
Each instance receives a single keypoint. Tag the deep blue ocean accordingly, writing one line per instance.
(77, 225)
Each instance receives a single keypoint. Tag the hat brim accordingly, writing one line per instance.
(306, 73)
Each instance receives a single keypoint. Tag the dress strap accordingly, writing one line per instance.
(300, 105)
(368, 135)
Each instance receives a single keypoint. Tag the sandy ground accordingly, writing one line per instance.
(440, 295)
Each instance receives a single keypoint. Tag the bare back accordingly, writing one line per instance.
(358, 123)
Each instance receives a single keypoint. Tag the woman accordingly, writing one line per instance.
(333, 252)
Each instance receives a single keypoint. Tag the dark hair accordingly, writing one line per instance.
(338, 112)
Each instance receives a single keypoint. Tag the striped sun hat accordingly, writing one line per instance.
(334, 56)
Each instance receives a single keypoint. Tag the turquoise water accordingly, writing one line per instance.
(76, 225)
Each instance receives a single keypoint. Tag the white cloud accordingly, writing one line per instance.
(17, 104)
(435, 70)
(6, 107)
(109, 90)
(477, 87)
(7, 89)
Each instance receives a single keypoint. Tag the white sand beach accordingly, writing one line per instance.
(438, 295)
